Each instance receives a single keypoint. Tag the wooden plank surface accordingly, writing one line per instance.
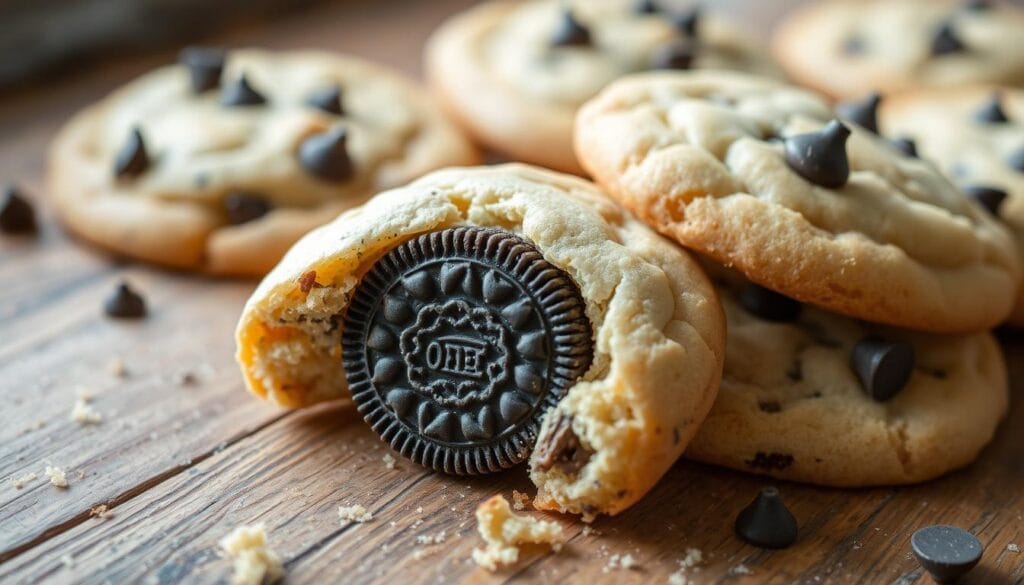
(180, 464)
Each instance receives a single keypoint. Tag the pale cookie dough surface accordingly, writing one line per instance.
(790, 405)
(202, 151)
(944, 127)
(891, 45)
(496, 71)
(699, 156)
(658, 328)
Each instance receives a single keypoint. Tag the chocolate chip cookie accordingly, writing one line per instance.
(480, 318)
(812, 396)
(847, 48)
(218, 164)
(975, 134)
(762, 177)
(514, 73)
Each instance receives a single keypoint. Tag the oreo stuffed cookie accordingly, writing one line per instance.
(480, 318)
(847, 48)
(514, 73)
(812, 396)
(763, 178)
(220, 163)
(975, 134)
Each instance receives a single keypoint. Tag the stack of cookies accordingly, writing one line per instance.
(756, 277)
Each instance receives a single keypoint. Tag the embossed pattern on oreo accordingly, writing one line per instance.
(458, 341)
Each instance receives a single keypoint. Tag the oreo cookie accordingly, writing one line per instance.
(457, 342)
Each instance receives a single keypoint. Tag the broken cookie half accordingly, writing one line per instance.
(478, 316)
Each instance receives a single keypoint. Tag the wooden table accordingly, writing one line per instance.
(179, 463)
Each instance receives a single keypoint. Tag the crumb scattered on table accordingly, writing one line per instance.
(740, 569)
(254, 562)
(1013, 547)
(20, 482)
(356, 513)
(389, 461)
(519, 500)
(616, 562)
(57, 476)
(693, 558)
(503, 531)
(101, 511)
(83, 413)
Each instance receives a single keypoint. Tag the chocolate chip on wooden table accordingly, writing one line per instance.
(205, 66)
(990, 198)
(570, 32)
(16, 213)
(883, 367)
(244, 207)
(125, 303)
(132, 160)
(946, 552)
(820, 157)
(905, 145)
(992, 111)
(946, 40)
(688, 22)
(327, 99)
(864, 112)
(677, 55)
(241, 93)
(453, 356)
(326, 155)
(768, 304)
(766, 522)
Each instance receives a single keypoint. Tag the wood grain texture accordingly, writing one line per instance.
(181, 465)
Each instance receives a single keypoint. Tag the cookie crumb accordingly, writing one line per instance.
(1013, 547)
(519, 500)
(419, 554)
(503, 531)
(101, 511)
(82, 413)
(389, 461)
(57, 476)
(20, 482)
(616, 561)
(740, 570)
(428, 539)
(117, 368)
(678, 578)
(693, 558)
(354, 513)
(254, 562)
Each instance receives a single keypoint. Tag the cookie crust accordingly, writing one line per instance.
(201, 151)
(658, 328)
(697, 155)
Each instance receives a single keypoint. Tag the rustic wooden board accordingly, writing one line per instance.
(181, 465)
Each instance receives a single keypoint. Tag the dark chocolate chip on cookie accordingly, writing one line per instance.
(864, 112)
(326, 155)
(820, 157)
(132, 160)
(242, 93)
(457, 342)
(16, 213)
(883, 367)
(990, 198)
(205, 66)
(570, 32)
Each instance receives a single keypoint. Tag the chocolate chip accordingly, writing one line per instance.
(562, 449)
(946, 552)
(769, 406)
(988, 197)
(326, 156)
(307, 281)
(16, 213)
(796, 371)
(457, 342)
(768, 304)
(244, 207)
(132, 160)
(570, 32)
(854, 45)
(766, 522)
(864, 112)
(770, 461)
(820, 157)
(645, 7)
(905, 145)
(688, 22)
(677, 55)
(327, 99)
(1016, 160)
(125, 303)
(205, 66)
(946, 40)
(883, 367)
(241, 93)
(992, 111)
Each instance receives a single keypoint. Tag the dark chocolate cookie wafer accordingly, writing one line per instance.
(458, 341)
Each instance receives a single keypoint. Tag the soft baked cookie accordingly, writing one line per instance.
(757, 175)
(846, 48)
(812, 396)
(975, 134)
(514, 73)
(221, 162)
(456, 289)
